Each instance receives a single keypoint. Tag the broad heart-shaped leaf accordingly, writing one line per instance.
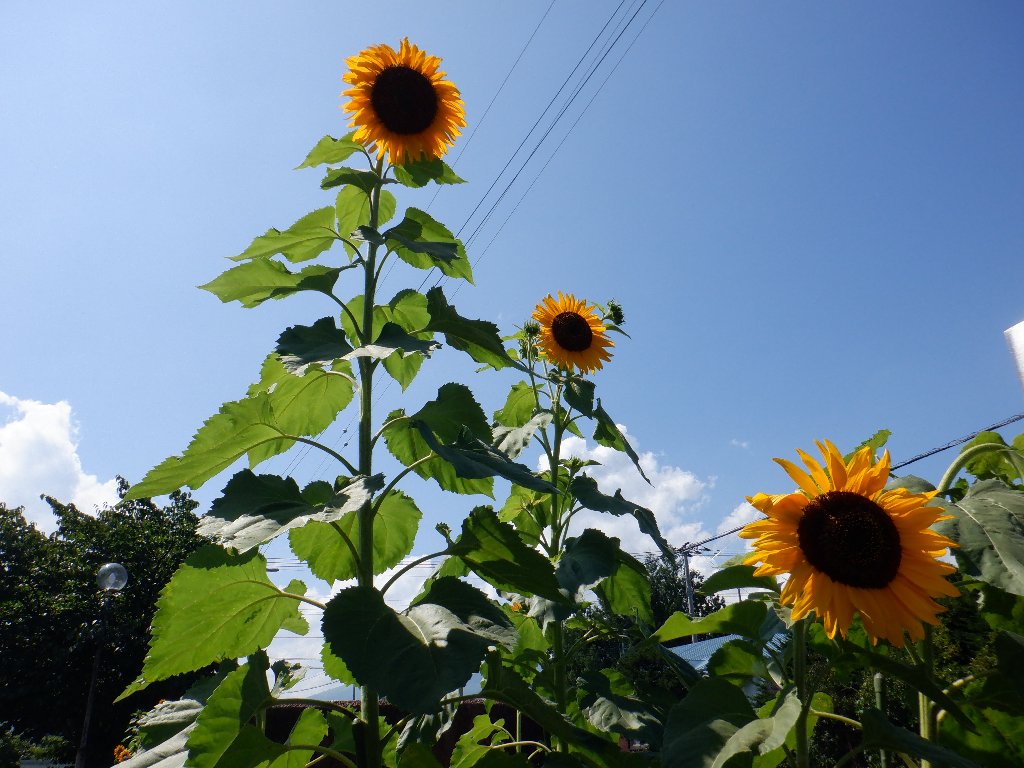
(352, 207)
(446, 415)
(627, 591)
(579, 394)
(495, 552)
(519, 406)
(477, 741)
(739, 660)
(240, 427)
(514, 440)
(743, 618)
(239, 696)
(421, 241)
(257, 508)
(700, 725)
(421, 172)
(611, 706)
(988, 525)
(879, 733)
(473, 459)
(362, 180)
(306, 239)
(763, 735)
(322, 342)
(253, 282)
(608, 434)
(737, 577)
(417, 657)
(586, 560)
(477, 338)
(217, 606)
(330, 150)
(323, 546)
(392, 339)
(585, 490)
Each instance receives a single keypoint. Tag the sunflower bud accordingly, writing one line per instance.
(532, 329)
(615, 313)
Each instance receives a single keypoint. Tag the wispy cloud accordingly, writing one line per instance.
(737, 443)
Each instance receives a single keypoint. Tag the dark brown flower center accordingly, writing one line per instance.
(404, 100)
(851, 539)
(571, 331)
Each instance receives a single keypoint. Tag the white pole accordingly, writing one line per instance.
(1015, 338)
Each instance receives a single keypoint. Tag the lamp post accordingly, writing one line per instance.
(110, 578)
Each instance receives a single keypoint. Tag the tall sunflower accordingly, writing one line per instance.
(401, 102)
(571, 334)
(850, 546)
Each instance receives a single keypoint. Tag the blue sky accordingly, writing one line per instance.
(811, 213)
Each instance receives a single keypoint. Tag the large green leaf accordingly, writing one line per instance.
(763, 735)
(256, 508)
(1000, 609)
(737, 577)
(301, 345)
(421, 172)
(699, 727)
(477, 741)
(608, 434)
(995, 741)
(169, 754)
(627, 591)
(338, 177)
(514, 440)
(495, 552)
(421, 241)
(519, 407)
(820, 702)
(240, 696)
(393, 340)
(743, 618)
(477, 338)
(446, 415)
(1002, 462)
(611, 706)
(240, 427)
(585, 490)
(306, 239)
(579, 394)
(330, 150)
(988, 525)
(253, 282)
(217, 606)
(416, 657)
(879, 733)
(739, 660)
(586, 560)
(322, 546)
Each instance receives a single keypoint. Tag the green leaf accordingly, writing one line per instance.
(627, 592)
(607, 433)
(417, 755)
(232, 705)
(240, 427)
(997, 740)
(306, 239)
(477, 741)
(257, 508)
(473, 459)
(323, 546)
(738, 659)
(364, 181)
(820, 702)
(579, 394)
(763, 735)
(216, 606)
(519, 406)
(352, 207)
(392, 339)
(743, 618)
(170, 754)
(609, 705)
(301, 345)
(514, 440)
(423, 242)
(477, 338)
(586, 560)
(417, 657)
(495, 552)
(330, 151)
(253, 282)
(988, 525)
(876, 442)
(1001, 463)
(879, 733)
(737, 577)
(585, 490)
(421, 172)
(699, 727)
(1000, 609)
(310, 729)
(446, 415)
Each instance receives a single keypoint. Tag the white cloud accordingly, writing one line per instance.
(39, 455)
(744, 444)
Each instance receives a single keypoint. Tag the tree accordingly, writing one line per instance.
(50, 615)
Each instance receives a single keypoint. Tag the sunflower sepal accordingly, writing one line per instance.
(425, 170)
(329, 151)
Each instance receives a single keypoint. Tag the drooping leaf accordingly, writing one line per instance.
(579, 394)
(217, 606)
(737, 577)
(586, 560)
(306, 239)
(236, 700)
(364, 181)
(611, 706)
(585, 490)
(423, 242)
(879, 733)
(627, 591)
(392, 339)
(495, 552)
(988, 525)
(477, 338)
(820, 702)
(322, 545)
(416, 657)
(421, 172)
(257, 508)
(253, 282)
(352, 207)
(169, 754)
(743, 618)
(301, 345)
(700, 725)
(514, 440)
(330, 150)
(608, 434)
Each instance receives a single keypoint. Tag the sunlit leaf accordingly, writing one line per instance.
(239, 696)
(514, 440)
(477, 741)
(737, 577)
(306, 239)
(627, 592)
(423, 242)
(762, 735)
(253, 282)
(330, 151)
(519, 406)
(421, 172)
(743, 618)
(473, 459)
(365, 181)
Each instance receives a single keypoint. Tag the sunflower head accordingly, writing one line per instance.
(849, 546)
(571, 334)
(402, 103)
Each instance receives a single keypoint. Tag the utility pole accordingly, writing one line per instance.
(687, 551)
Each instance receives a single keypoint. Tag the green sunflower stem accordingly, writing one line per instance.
(803, 757)
(369, 703)
(925, 706)
(962, 460)
(558, 641)
(879, 683)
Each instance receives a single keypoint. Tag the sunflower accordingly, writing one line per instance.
(402, 103)
(850, 546)
(571, 334)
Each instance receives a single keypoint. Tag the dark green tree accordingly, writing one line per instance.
(50, 622)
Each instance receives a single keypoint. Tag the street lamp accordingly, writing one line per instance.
(110, 578)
